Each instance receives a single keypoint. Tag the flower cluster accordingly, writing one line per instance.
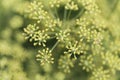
(77, 27)
(108, 59)
(66, 63)
(87, 63)
(90, 6)
(35, 11)
(62, 35)
(33, 33)
(100, 74)
(44, 56)
(71, 6)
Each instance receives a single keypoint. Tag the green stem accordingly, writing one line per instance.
(54, 45)
(69, 15)
(65, 14)
(56, 13)
(79, 14)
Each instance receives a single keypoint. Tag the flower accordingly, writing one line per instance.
(44, 56)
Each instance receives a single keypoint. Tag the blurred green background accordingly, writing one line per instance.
(17, 56)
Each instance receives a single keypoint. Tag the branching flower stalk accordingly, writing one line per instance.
(78, 28)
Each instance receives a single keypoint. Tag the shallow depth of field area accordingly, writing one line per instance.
(59, 40)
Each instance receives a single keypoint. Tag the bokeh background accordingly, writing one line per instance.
(17, 56)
